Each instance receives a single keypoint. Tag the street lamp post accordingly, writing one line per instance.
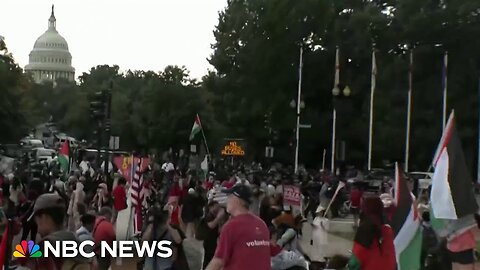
(337, 93)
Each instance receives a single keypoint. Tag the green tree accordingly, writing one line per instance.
(12, 82)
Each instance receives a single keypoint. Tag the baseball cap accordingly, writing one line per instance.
(241, 191)
(47, 200)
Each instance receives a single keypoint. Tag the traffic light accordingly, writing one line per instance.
(98, 106)
(267, 120)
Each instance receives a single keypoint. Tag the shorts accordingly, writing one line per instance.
(463, 257)
(354, 210)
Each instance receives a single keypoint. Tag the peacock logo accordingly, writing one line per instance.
(27, 249)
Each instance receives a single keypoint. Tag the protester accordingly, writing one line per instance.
(356, 194)
(49, 215)
(243, 237)
(103, 231)
(119, 198)
(209, 184)
(462, 250)
(77, 197)
(192, 211)
(85, 231)
(373, 247)
(101, 197)
(209, 230)
(158, 228)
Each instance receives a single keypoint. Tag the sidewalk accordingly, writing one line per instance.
(338, 240)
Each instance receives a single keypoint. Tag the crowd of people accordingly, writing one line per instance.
(238, 215)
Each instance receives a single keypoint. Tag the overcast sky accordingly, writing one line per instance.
(134, 34)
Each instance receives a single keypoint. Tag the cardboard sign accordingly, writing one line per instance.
(292, 195)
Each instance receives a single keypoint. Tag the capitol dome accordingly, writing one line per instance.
(50, 58)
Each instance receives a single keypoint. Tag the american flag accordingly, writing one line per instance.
(138, 195)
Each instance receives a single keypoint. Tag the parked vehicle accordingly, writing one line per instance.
(422, 181)
(61, 139)
(40, 155)
(31, 143)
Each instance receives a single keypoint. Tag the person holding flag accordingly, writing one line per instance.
(373, 247)
(452, 199)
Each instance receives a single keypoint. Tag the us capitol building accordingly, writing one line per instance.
(50, 58)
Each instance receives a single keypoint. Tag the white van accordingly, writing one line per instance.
(71, 141)
(31, 143)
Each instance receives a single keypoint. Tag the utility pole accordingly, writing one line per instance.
(108, 96)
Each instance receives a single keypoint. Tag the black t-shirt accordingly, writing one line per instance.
(192, 208)
(210, 235)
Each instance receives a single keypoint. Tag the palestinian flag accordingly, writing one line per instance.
(452, 199)
(197, 127)
(204, 166)
(406, 225)
(64, 157)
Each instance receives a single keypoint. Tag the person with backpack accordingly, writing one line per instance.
(103, 231)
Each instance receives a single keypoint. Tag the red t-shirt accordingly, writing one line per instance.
(355, 198)
(244, 244)
(228, 184)
(374, 258)
(208, 185)
(103, 231)
(119, 198)
(174, 218)
(176, 191)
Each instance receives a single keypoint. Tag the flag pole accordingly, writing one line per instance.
(323, 159)
(444, 84)
(203, 135)
(334, 127)
(299, 96)
(478, 161)
(334, 111)
(409, 111)
(372, 93)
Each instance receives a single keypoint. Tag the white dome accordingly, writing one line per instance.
(51, 40)
(50, 58)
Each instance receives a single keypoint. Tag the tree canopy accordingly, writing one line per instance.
(256, 57)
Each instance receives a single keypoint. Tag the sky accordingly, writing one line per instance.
(134, 34)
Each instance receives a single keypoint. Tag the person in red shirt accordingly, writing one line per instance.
(119, 198)
(103, 231)
(174, 209)
(179, 189)
(209, 183)
(230, 183)
(244, 240)
(355, 198)
(373, 246)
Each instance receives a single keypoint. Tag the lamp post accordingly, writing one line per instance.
(293, 105)
(337, 92)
